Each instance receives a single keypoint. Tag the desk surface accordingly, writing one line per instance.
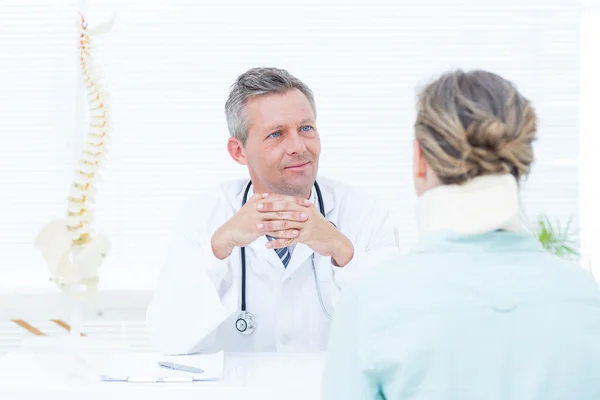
(246, 375)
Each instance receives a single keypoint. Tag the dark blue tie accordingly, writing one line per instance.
(283, 253)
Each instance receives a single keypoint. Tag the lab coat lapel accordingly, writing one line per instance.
(302, 252)
(328, 200)
(263, 252)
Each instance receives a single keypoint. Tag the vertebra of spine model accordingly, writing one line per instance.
(69, 247)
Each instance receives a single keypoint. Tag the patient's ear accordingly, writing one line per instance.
(420, 163)
(420, 178)
(236, 150)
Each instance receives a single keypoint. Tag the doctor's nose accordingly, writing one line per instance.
(295, 144)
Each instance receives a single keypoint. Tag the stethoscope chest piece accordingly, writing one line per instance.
(245, 323)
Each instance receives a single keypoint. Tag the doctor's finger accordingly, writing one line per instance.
(280, 243)
(258, 196)
(284, 234)
(279, 225)
(284, 215)
(279, 205)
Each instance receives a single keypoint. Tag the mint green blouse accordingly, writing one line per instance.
(492, 316)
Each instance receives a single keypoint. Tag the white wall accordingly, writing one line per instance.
(590, 137)
(170, 64)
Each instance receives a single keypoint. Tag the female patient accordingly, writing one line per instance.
(478, 310)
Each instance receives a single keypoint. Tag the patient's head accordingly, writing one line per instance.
(471, 124)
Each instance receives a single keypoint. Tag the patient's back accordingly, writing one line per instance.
(488, 317)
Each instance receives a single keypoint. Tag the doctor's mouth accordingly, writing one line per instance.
(298, 166)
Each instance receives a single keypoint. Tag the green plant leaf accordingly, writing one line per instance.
(556, 239)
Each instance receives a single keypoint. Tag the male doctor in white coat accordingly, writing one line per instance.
(304, 237)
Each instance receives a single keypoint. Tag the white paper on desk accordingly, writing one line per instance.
(145, 366)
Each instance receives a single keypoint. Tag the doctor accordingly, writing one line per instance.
(258, 264)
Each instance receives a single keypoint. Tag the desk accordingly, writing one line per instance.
(247, 376)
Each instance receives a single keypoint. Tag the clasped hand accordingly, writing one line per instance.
(289, 220)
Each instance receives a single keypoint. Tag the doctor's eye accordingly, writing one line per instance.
(306, 128)
(275, 134)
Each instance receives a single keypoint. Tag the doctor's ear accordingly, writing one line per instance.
(236, 150)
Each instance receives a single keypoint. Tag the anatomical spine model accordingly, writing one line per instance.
(72, 252)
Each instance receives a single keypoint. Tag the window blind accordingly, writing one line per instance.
(38, 85)
(169, 66)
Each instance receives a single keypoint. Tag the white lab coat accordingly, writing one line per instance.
(197, 298)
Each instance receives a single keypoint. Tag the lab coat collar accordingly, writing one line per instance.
(483, 204)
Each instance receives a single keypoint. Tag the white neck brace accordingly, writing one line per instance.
(483, 204)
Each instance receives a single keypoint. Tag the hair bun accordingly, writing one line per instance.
(475, 123)
(490, 134)
(496, 150)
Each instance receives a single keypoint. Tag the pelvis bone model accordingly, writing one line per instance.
(72, 253)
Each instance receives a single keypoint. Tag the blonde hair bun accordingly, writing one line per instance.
(475, 123)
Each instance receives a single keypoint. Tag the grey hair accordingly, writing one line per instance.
(259, 82)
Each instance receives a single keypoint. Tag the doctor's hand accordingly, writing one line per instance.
(263, 213)
(315, 231)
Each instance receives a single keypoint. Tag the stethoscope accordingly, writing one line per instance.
(245, 322)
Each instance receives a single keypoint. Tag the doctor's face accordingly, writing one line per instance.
(283, 145)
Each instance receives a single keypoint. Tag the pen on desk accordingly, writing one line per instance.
(180, 367)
